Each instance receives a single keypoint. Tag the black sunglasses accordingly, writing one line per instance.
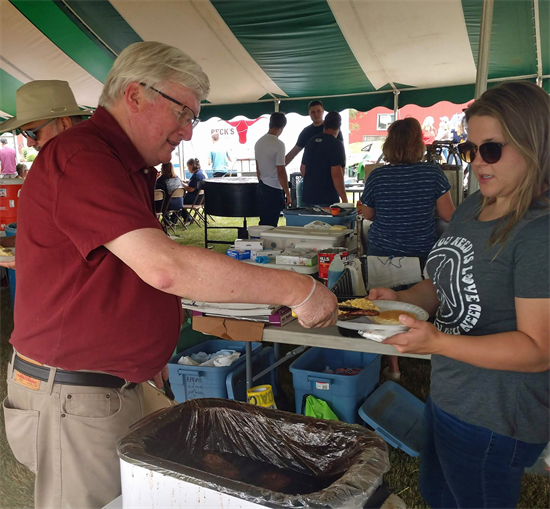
(31, 133)
(186, 116)
(491, 152)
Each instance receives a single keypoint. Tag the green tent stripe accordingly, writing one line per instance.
(104, 20)
(544, 14)
(512, 45)
(56, 26)
(428, 97)
(8, 86)
(299, 45)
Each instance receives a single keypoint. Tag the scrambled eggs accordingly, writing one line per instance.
(359, 304)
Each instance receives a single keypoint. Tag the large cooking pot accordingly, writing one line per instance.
(230, 197)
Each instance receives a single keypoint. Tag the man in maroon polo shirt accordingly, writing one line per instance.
(96, 306)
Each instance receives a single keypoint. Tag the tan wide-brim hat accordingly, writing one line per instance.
(42, 100)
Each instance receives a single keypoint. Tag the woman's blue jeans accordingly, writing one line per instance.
(463, 465)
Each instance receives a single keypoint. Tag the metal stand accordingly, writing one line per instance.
(242, 232)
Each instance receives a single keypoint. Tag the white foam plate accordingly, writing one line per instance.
(363, 323)
(8, 258)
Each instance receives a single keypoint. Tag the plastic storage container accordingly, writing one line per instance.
(297, 217)
(284, 237)
(190, 382)
(254, 232)
(344, 393)
(396, 415)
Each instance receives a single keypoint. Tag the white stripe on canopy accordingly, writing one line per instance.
(197, 28)
(28, 55)
(428, 41)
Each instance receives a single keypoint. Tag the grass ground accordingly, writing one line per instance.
(16, 482)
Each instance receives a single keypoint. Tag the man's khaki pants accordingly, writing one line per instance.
(67, 436)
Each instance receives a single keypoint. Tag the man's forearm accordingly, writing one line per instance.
(283, 179)
(338, 180)
(204, 275)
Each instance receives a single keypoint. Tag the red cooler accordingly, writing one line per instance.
(9, 198)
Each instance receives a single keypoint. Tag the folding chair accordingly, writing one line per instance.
(177, 193)
(194, 209)
(159, 198)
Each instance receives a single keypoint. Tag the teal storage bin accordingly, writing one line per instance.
(344, 394)
(190, 382)
(297, 217)
(396, 415)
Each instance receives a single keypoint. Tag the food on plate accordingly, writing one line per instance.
(363, 304)
(390, 317)
(346, 315)
(5, 252)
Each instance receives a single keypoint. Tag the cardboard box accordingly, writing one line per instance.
(227, 328)
(238, 254)
(297, 257)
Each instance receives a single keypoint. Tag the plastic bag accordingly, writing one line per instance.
(354, 456)
(319, 409)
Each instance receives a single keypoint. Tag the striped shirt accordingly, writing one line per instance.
(404, 196)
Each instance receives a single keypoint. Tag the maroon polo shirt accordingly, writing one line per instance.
(77, 305)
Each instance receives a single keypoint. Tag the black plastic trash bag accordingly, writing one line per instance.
(349, 460)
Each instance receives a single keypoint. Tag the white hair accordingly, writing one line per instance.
(153, 63)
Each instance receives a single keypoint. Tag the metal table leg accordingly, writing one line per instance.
(248, 351)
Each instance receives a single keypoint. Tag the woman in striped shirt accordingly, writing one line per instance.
(401, 197)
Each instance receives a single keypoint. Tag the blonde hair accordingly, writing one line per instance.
(404, 142)
(153, 63)
(523, 112)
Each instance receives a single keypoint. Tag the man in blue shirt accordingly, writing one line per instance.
(316, 113)
(323, 166)
(218, 157)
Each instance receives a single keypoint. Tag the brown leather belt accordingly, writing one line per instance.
(63, 377)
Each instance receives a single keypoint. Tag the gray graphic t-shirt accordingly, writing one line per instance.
(476, 296)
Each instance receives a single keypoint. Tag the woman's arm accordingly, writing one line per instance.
(422, 294)
(526, 350)
(444, 206)
(368, 212)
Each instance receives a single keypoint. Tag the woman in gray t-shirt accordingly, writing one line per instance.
(487, 417)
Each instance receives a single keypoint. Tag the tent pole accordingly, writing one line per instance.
(276, 104)
(538, 46)
(180, 155)
(482, 66)
(395, 103)
(484, 47)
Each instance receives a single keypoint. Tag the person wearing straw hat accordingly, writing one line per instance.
(98, 307)
(44, 108)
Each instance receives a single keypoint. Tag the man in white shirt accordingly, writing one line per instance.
(273, 192)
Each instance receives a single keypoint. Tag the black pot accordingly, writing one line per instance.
(230, 197)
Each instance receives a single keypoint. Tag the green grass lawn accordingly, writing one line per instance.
(16, 482)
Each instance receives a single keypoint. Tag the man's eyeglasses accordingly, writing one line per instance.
(491, 152)
(186, 116)
(31, 133)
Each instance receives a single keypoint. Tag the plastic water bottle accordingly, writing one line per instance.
(335, 270)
